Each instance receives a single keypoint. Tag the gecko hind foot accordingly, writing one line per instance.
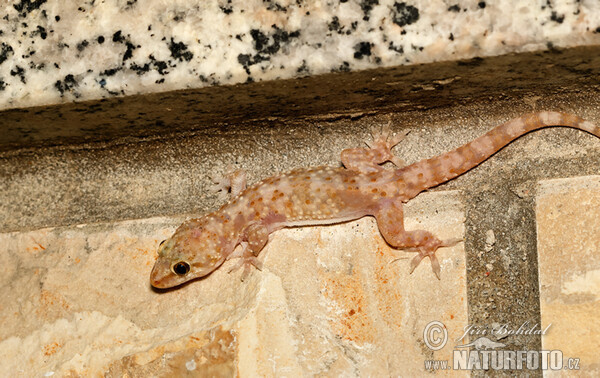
(429, 251)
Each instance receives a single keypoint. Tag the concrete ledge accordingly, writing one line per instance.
(523, 78)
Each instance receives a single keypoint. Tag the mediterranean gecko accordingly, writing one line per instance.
(326, 195)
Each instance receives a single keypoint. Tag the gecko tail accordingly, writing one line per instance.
(437, 170)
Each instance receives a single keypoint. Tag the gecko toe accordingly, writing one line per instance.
(415, 262)
(435, 266)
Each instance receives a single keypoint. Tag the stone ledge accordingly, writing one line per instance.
(525, 79)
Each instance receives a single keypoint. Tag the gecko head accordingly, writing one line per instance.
(195, 250)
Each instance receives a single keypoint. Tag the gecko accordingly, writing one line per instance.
(328, 195)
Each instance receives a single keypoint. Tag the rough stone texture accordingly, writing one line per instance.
(570, 271)
(330, 300)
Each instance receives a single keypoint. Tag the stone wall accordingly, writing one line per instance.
(89, 189)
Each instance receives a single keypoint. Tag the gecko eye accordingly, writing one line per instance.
(162, 242)
(181, 268)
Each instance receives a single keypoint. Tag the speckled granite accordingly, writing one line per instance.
(54, 51)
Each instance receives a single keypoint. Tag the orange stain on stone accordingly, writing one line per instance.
(388, 293)
(50, 349)
(352, 323)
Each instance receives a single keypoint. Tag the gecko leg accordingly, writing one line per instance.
(367, 160)
(390, 220)
(257, 236)
(232, 183)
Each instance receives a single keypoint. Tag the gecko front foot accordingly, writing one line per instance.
(246, 260)
(368, 160)
(383, 142)
(230, 184)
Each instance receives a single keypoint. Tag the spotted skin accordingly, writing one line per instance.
(326, 195)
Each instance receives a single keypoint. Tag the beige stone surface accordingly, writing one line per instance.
(569, 210)
(333, 300)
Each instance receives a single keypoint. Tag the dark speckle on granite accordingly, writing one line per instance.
(129, 51)
(344, 67)
(159, 65)
(66, 85)
(179, 50)
(227, 9)
(481, 4)
(110, 72)
(100, 39)
(246, 61)
(454, 8)
(82, 45)
(261, 41)
(266, 45)
(117, 37)
(274, 6)
(303, 69)
(367, 6)
(362, 49)
(398, 49)
(140, 70)
(30, 53)
(35, 66)
(334, 25)
(556, 18)
(2, 85)
(41, 31)
(20, 72)
(26, 6)
(57, 18)
(403, 14)
(5, 51)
